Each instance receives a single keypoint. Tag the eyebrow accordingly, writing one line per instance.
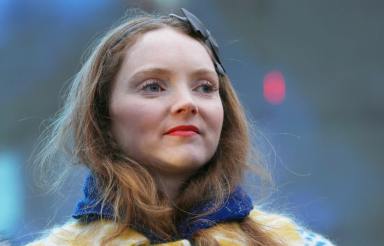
(204, 71)
(166, 72)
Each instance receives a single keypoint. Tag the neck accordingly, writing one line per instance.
(170, 184)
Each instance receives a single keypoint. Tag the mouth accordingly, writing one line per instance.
(183, 130)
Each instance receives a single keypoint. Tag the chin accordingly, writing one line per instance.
(180, 164)
(189, 163)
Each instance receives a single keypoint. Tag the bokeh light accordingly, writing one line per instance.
(274, 87)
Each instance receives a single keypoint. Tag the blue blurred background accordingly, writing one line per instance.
(310, 75)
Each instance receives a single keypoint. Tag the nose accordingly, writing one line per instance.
(184, 103)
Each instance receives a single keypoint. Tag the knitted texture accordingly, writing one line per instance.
(235, 208)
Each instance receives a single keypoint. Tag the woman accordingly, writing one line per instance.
(154, 117)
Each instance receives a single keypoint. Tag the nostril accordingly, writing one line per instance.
(184, 105)
(192, 110)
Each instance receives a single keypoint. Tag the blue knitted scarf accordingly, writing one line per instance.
(236, 208)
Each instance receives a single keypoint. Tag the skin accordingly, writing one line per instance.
(167, 79)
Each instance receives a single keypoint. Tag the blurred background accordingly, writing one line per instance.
(309, 73)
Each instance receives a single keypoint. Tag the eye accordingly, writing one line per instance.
(206, 87)
(151, 86)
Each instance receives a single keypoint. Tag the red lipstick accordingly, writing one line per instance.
(183, 130)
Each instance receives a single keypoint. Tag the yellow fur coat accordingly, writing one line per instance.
(281, 227)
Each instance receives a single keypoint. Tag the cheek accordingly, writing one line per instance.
(215, 118)
(131, 119)
(123, 116)
(219, 114)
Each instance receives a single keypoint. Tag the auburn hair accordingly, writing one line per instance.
(82, 128)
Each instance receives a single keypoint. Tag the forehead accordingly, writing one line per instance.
(169, 48)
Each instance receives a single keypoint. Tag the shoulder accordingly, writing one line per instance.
(277, 225)
(285, 228)
(75, 233)
(313, 239)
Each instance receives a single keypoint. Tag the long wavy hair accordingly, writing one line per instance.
(82, 127)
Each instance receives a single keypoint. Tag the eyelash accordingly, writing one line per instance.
(212, 88)
(149, 83)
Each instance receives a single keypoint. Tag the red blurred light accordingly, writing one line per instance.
(274, 87)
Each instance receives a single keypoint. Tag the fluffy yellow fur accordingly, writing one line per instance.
(75, 234)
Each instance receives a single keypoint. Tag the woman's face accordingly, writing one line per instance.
(167, 80)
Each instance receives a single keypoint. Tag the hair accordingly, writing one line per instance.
(82, 128)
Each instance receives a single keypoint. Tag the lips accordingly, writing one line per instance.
(183, 128)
